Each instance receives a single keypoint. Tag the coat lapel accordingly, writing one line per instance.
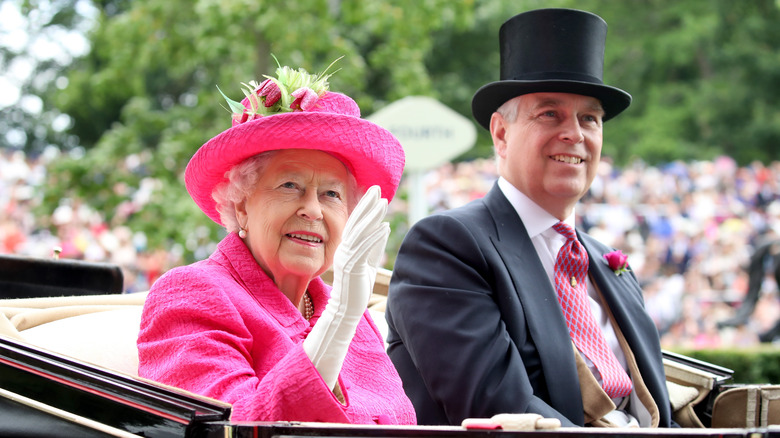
(546, 324)
(620, 292)
(624, 298)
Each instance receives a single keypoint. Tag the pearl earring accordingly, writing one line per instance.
(241, 233)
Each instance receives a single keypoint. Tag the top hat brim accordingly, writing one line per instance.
(491, 96)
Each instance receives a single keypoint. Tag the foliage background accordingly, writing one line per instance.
(750, 366)
(705, 76)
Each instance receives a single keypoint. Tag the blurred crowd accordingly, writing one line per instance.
(75, 229)
(689, 230)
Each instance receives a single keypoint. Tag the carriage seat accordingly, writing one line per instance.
(102, 330)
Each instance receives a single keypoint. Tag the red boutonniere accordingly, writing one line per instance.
(617, 261)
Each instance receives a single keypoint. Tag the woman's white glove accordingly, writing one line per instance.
(354, 271)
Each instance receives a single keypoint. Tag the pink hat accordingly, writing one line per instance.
(311, 117)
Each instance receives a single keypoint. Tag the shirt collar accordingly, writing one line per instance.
(535, 219)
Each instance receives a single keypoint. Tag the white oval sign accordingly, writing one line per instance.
(430, 132)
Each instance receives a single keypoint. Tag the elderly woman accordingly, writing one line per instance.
(254, 325)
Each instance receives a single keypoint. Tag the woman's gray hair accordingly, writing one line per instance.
(242, 179)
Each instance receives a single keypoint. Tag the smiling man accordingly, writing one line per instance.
(500, 306)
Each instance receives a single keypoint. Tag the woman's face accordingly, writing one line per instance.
(296, 214)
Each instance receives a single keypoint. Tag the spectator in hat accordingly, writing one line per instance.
(301, 183)
(502, 306)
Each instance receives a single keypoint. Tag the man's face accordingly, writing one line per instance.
(551, 151)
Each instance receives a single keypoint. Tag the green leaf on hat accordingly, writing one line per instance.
(235, 107)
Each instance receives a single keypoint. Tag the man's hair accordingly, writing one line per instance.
(508, 109)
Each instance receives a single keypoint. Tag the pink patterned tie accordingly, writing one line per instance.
(571, 266)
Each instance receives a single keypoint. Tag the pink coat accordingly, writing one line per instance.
(222, 329)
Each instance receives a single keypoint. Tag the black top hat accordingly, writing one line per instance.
(550, 50)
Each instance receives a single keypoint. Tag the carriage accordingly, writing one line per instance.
(68, 368)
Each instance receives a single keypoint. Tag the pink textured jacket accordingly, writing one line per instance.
(221, 328)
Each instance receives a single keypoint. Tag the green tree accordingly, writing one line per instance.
(36, 48)
(144, 99)
(704, 76)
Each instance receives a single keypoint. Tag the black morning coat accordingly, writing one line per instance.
(475, 328)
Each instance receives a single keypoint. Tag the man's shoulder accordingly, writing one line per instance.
(464, 230)
(473, 209)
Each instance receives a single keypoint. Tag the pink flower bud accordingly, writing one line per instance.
(305, 98)
(269, 92)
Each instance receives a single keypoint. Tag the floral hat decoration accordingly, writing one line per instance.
(296, 110)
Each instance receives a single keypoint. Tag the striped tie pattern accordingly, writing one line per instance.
(571, 266)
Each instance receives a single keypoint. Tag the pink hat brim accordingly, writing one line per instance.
(371, 153)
